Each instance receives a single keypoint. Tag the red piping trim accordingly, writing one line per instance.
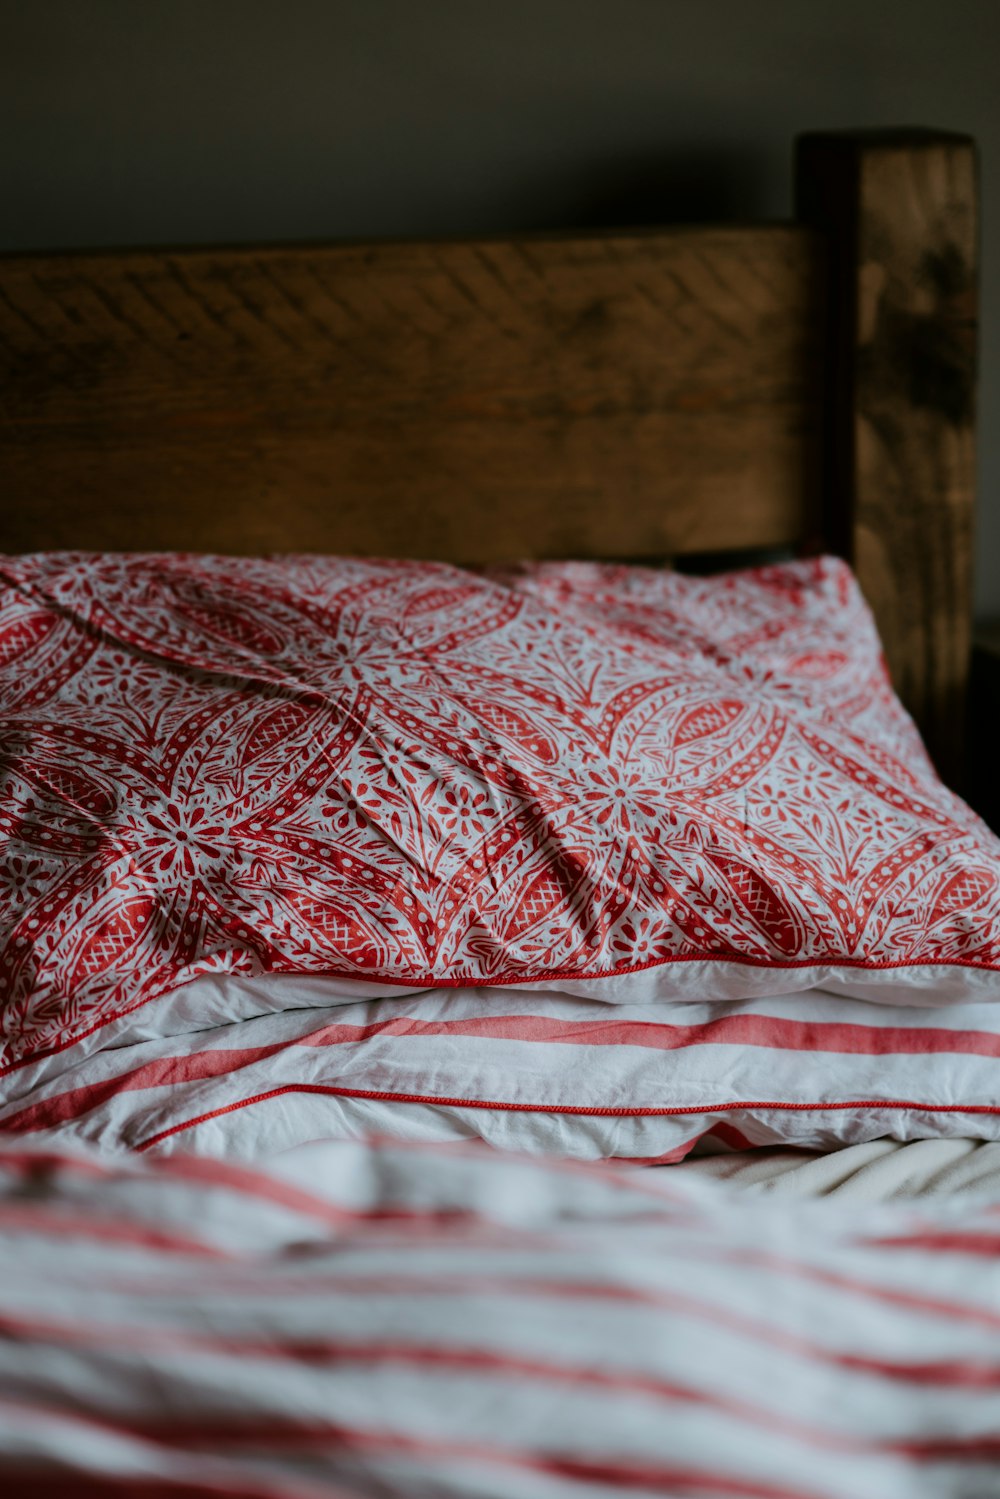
(533, 1108)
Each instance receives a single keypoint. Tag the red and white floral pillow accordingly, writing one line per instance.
(620, 783)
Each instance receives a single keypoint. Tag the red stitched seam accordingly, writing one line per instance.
(534, 1108)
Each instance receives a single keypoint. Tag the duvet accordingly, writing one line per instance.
(381, 1319)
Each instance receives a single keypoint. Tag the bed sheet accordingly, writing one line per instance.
(401, 1320)
(871, 1171)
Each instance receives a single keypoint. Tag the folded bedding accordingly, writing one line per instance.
(387, 1320)
(536, 1072)
(619, 783)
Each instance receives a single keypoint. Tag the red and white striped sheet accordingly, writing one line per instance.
(402, 1320)
(538, 1072)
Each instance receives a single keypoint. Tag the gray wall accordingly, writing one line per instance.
(136, 121)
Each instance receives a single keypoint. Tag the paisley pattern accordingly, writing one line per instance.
(407, 772)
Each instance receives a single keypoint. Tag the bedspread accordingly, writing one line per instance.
(398, 1319)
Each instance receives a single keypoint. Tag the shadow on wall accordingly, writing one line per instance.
(692, 187)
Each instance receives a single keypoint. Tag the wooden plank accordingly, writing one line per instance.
(626, 395)
(899, 209)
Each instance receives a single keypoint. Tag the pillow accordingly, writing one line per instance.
(540, 1072)
(623, 783)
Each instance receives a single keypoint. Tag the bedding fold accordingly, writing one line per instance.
(873, 1171)
(534, 1071)
(382, 1320)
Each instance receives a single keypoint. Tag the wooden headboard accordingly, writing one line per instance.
(643, 395)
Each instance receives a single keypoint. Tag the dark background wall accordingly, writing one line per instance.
(137, 121)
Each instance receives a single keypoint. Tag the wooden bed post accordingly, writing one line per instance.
(898, 210)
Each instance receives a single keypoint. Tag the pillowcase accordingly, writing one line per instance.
(540, 1072)
(623, 783)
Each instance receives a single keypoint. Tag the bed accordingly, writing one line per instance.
(331, 1094)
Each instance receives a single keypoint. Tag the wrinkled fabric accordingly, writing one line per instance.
(532, 1071)
(389, 1320)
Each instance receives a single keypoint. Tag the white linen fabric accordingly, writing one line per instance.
(534, 1071)
(874, 1171)
(385, 1320)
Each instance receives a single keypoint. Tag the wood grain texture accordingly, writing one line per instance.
(899, 210)
(625, 395)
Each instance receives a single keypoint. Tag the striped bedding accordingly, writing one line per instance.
(532, 1072)
(411, 1319)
